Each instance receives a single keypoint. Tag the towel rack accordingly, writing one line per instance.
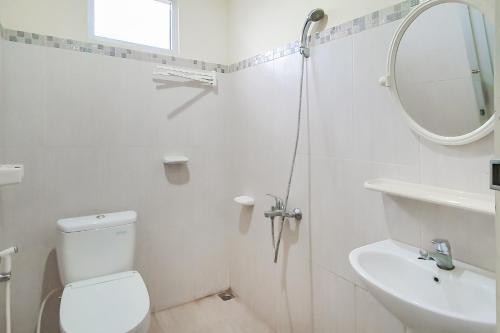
(170, 73)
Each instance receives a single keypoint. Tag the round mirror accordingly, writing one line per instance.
(441, 71)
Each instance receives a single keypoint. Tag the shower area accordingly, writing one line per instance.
(248, 180)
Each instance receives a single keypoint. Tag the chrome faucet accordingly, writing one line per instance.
(441, 254)
(278, 210)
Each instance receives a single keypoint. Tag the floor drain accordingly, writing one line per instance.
(226, 295)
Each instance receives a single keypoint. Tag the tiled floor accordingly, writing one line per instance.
(208, 315)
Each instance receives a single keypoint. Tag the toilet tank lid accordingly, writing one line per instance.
(95, 222)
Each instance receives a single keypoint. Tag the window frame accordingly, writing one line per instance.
(174, 33)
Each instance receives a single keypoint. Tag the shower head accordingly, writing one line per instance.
(314, 16)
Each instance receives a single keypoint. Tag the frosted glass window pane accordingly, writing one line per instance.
(146, 22)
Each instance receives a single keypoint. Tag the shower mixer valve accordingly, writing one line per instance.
(278, 210)
(278, 204)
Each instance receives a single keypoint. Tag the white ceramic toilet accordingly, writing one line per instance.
(102, 293)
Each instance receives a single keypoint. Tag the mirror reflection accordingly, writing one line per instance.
(444, 69)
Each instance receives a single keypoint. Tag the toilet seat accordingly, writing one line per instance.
(117, 303)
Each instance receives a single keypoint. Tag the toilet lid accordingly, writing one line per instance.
(115, 303)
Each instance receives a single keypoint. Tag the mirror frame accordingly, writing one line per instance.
(486, 7)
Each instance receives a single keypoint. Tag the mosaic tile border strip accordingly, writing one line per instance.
(375, 19)
(102, 49)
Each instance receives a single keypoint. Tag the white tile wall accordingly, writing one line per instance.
(92, 131)
(352, 130)
(334, 302)
(2, 117)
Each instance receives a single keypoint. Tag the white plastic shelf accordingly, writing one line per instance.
(476, 202)
(11, 174)
(175, 159)
(245, 201)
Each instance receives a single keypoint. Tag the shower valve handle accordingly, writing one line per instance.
(278, 202)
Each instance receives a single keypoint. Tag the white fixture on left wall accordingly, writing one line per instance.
(6, 276)
(11, 174)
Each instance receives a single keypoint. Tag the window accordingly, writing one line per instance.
(149, 23)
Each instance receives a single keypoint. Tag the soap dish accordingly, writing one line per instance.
(245, 201)
(177, 159)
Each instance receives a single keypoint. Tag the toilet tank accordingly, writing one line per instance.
(96, 245)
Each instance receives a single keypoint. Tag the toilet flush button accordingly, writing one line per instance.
(100, 217)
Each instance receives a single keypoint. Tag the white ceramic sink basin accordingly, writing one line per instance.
(425, 298)
(11, 174)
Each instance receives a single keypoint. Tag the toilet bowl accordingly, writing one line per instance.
(113, 303)
(102, 293)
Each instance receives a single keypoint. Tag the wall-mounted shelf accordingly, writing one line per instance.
(481, 203)
(170, 73)
(245, 201)
(11, 174)
(175, 159)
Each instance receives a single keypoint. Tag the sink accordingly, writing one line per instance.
(425, 298)
(11, 174)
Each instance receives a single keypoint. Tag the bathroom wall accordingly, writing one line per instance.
(202, 24)
(221, 31)
(92, 131)
(352, 131)
(273, 23)
(277, 22)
